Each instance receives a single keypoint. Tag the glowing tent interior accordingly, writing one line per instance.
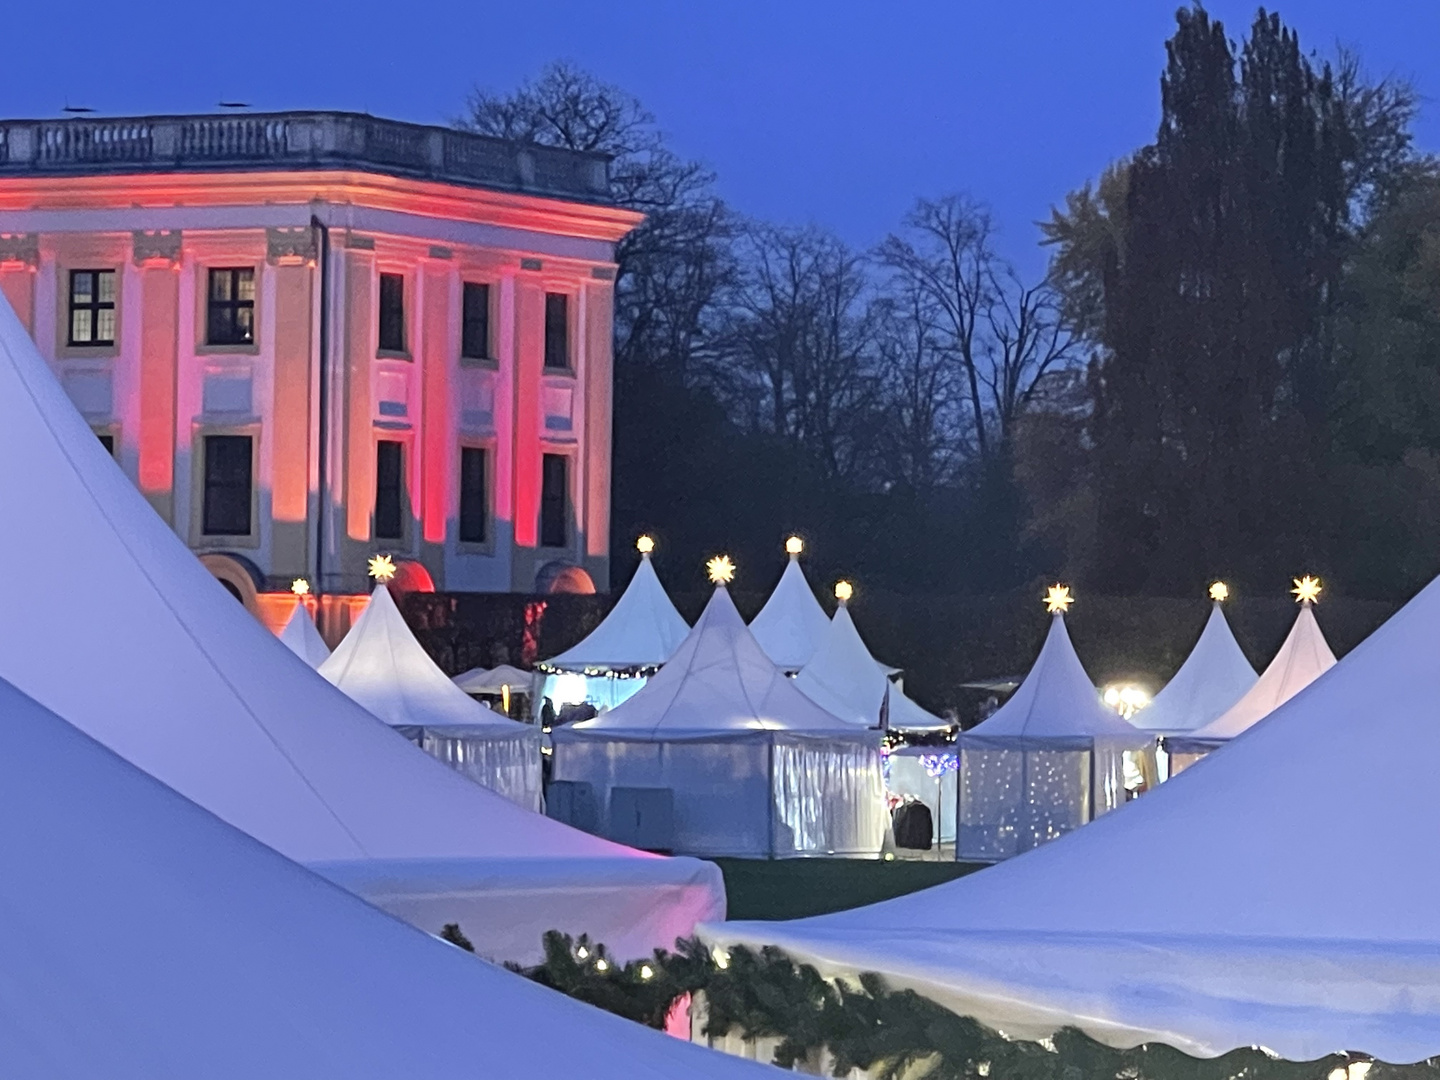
(143, 937)
(792, 624)
(1303, 657)
(1049, 760)
(381, 667)
(637, 635)
(1213, 677)
(184, 683)
(1286, 899)
(720, 754)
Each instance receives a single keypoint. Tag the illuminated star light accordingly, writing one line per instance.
(382, 568)
(1058, 599)
(1219, 591)
(794, 545)
(720, 569)
(1307, 589)
(300, 587)
(645, 545)
(843, 591)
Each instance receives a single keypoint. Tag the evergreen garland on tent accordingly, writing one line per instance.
(865, 1025)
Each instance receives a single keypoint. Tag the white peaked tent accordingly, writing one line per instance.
(640, 633)
(844, 679)
(792, 624)
(303, 639)
(494, 680)
(1213, 677)
(1049, 760)
(381, 666)
(143, 937)
(1282, 894)
(1303, 657)
(727, 757)
(181, 681)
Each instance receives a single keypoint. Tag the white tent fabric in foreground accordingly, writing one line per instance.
(115, 625)
(1049, 760)
(1213, 677)
(749, 765)
(843, 678)
(1303, 657)
(792, 624)
(142, 937)
(381, 666)
(303, 639)
(637, 635)
(1281, 893)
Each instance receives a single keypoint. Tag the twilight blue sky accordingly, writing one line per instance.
(838, 113)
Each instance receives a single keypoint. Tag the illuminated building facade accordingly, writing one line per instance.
(309, 337)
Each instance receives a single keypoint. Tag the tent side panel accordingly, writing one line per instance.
(829, 798)
(1013, 800)
(510, 765)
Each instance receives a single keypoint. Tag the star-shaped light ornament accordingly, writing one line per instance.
(1307, 589)
(1219, 591)
(382, 568)
(843, 591)
(300, 587)
(1058, 599)
(645, 545)
(794, 545)
(720, 569)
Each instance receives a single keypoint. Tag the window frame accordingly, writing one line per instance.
(381, 347)
(568, 367)
(401, 515)
(209, 304)
(466, 355)
(487, 540)
(214, 535)
(566, 529)
(95, 307)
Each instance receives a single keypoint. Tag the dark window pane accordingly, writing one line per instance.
(474, 504)
(107, 441)
(389, 459)
(557, 330)
(92, 307)
(475, 325)
(230, 317)
(392, 312)
(554, 499)
(227, 485)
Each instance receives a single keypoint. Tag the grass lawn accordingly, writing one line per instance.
(794, 888)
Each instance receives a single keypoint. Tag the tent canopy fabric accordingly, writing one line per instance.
(183, 682)
(792, 624)
(719, 682)
(640, 632)
(1303, 657)
(143, 937)
(1213, 677)
(1280, 893)
(1056, 703)
(494, 681)
(843, 678)
(380, 665)
(303, 639)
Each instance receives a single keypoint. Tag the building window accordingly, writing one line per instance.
(392, 312)
(474, 495)
(227, 485)
(554, 499)
(389, 480)
(231, 307)
(107, 441)
(92, 307)
(475, 324)
(557, 330)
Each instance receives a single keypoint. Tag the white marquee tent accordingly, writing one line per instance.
(1049, 760)
(381, 667)
(493, 681)
(1303, 657)
(180, 680)
(792, 624)
(1279, 894)
(303, 639)
(844, 679)
(1213, 677)
(749, 764)
(143, 937)
(639, 633)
